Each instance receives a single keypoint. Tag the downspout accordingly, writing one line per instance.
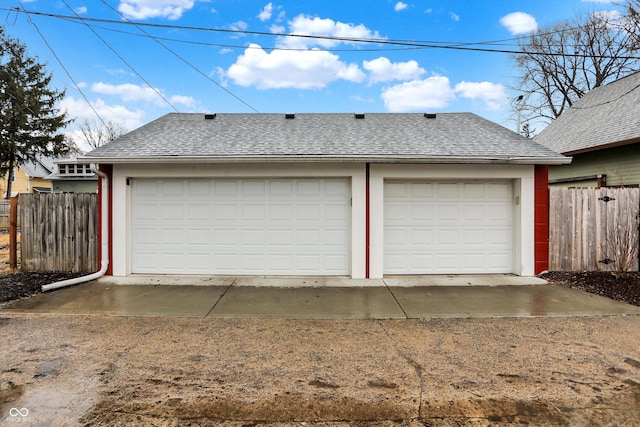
(104, 239)
(367, 218)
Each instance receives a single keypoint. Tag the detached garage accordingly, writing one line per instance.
(364, 195)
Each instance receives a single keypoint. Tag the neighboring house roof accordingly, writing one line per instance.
(447, 138)
(606, 116)
(40, 168)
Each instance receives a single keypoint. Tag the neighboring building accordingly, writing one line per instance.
(29, 177)
(69, 176)
(601, 131)
(364, 195)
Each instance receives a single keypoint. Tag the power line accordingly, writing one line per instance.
(65, 69)
(382, 41)
(183, 60)
(352, 50)
(125, 62)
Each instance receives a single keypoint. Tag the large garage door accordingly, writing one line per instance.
(448, 227)
(241, 226)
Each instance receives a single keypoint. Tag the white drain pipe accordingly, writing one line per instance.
(105, 239)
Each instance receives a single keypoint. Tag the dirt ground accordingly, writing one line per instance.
(123, 371)
(4, 251)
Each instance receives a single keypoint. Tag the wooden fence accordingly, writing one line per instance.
(594, 229)
(4, 214)
(59, 232)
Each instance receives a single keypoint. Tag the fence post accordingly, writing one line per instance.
(13, 234)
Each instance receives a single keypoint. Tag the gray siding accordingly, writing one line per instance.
(621, 165)
(85, 186)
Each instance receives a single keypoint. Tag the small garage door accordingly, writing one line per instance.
(448, 227)
(241, 226)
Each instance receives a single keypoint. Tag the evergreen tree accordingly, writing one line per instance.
(30, 122)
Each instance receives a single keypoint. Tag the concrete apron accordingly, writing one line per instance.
(321, 298)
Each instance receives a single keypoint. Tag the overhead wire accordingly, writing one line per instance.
(467, 46)
(55, 55)
(184, 60)
(115, 52)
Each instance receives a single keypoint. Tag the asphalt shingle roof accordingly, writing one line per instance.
(448, 137)
(606, 115)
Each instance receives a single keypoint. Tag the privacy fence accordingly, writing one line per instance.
(59, 232)
(4, 214)
(594, 229)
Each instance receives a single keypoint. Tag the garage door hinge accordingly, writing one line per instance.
(128, 181)
(351, 202)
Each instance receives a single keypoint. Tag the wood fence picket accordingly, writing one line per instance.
(594, 229)
(59, 232)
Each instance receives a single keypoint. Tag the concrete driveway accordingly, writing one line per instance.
(322, 298)
(212, 357)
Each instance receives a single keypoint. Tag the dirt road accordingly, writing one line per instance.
(99, 371)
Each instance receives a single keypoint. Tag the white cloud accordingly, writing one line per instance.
(454, 17)
(436, 92)
(610, 16)
(432, 92)
(80, 10)
(145, 9)
(519, 23)
(78, 109)
(383, 70)
(311, 69)
(187, 101)
(265, 13)
(127, 92)
(239, 26)
(305, 25)
(492, 94)
(132, 93)
(277, 29)
(400, 6)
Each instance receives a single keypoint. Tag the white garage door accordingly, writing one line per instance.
(241, 226)
(448, 227)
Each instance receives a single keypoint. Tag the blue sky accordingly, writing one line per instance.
(133, 74)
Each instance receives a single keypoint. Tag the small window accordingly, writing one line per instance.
(62, 169)
(87, 169)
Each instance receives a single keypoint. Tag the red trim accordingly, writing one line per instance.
(541, 218)
(367, 225)
(108, 170)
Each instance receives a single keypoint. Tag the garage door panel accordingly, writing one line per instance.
(308, 212)
(448, 227)
(225, 188)
(242, 226)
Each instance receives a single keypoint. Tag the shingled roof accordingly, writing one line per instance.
(606, 116)
(441, 138)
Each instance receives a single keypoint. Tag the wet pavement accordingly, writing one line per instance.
(314, 298)
(397, 352)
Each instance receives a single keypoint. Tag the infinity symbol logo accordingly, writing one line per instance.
(14, 412)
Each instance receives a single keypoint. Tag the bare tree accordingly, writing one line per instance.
(561, 63)
(632, 23)
(96, 134)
